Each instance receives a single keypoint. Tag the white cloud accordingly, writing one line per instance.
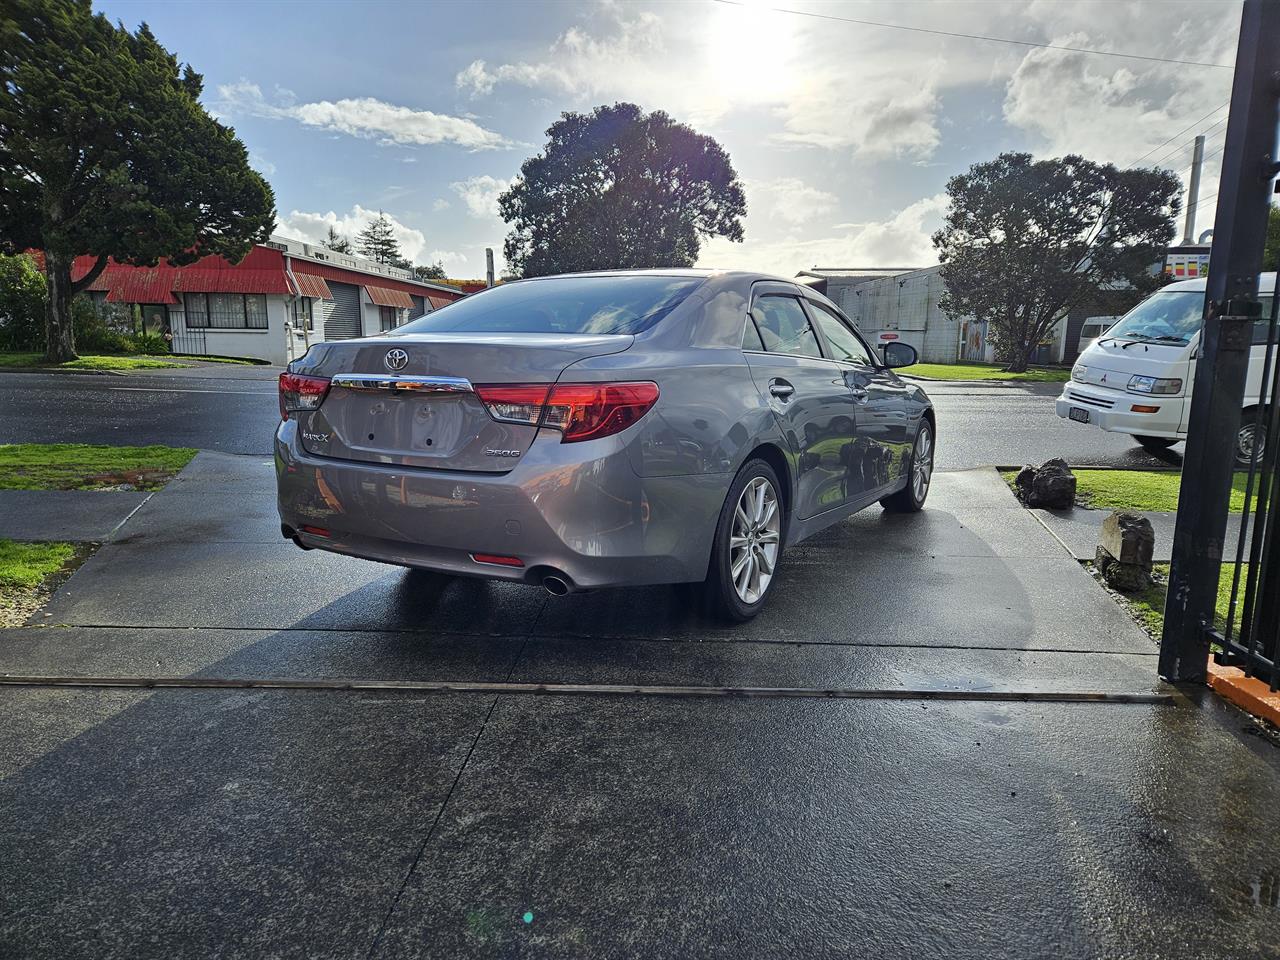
(902, 240)
(480, 194)
(440, 203)
(449, 258)
(364, 117)
(314, 228)
(789, 199)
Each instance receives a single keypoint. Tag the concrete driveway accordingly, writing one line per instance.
(877, 821)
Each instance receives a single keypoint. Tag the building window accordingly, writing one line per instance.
(226, 311)
(302, 313)
(387, 317)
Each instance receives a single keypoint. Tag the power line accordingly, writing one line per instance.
(978, 36)
(1189, 126)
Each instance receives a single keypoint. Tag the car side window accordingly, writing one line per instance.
(751, 337)
(784, 327)
(845, 345)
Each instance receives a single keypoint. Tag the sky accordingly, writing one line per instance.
(843, 134)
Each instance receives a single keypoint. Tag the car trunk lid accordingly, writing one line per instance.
(411, 400)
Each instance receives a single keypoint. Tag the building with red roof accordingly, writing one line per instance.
(282, 297)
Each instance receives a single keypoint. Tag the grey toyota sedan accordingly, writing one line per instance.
(601, 430)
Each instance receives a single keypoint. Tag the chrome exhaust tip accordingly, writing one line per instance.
(556, 586)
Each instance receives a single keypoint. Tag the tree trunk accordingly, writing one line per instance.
(60, 340)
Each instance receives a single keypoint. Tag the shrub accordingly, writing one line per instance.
(100, 329)
(22, 304)
(150, 344)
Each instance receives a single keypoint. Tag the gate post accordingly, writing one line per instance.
(1231, 304)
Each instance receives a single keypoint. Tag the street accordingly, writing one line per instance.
(236, 412)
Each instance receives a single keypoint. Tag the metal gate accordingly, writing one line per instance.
(342, 313)
(1249, 636)
(188, 341)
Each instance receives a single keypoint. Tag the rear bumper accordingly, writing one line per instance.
(590, 519)
(1113, 410)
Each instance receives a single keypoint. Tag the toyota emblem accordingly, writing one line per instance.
(396, 359)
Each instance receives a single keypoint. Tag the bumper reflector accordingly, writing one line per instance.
(1142, 408)
(497, 560)
(314, 531)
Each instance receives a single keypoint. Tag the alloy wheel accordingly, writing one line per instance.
(922, 463)
(754, 540)
(1249, 446)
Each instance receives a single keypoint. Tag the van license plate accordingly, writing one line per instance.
(1078, 414)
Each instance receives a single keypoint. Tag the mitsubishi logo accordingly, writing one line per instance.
(396, 359)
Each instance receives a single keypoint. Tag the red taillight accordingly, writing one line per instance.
(580, 411)
(517, 403)
(497, 559)
(299, 393)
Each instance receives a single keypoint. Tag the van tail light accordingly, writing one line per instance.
(580, 411)
(299, 394)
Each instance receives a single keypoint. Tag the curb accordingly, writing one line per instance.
(1248, 693)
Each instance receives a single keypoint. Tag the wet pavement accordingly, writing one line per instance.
(383, 823)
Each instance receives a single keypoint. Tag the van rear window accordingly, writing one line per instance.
(590, 305)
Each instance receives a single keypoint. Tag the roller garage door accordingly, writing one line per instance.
(342, 313)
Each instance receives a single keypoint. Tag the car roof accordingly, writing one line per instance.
(1266, 283)
(691, 272)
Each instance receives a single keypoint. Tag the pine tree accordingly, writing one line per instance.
(378, 241)
(337, 242)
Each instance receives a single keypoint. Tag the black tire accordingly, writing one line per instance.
(911, 498)
(1155, 444)
(1249, 448)
(719, 591)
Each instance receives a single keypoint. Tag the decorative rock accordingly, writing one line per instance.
(1051, 486)
(1129, 538)
(1124, 555)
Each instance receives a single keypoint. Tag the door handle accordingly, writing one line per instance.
(859, 394)
(781, 389)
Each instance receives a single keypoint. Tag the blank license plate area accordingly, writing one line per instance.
(1078, 414)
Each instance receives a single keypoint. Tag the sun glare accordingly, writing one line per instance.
(751, 52)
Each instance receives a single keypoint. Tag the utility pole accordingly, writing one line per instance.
(1193, 191)
(1231, 305)
(488, 266)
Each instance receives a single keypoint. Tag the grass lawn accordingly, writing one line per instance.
(986, 371)
(78, 466)
(1148, 607)
(28, 572)
(36, 361)
(1152, 490)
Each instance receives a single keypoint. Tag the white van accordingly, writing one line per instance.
(1092, 329)
(1137, 378)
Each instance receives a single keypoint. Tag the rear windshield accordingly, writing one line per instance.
(561, 305)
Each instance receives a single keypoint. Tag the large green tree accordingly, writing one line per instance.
(618, 188)
(1026, 240)
(105, 150)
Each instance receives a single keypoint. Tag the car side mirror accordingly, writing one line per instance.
(899, 354)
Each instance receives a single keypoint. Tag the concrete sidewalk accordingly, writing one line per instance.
(77, 515)
(1079, 529)
(330, 823)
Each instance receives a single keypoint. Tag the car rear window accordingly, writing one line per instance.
(597, 305)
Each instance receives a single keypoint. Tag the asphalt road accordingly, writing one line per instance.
(233, 410)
